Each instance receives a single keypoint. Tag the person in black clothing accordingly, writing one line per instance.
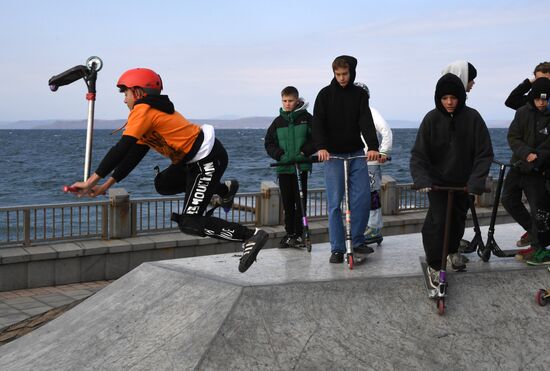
(289, 139)
(519, 96)
(512, 192)
(452, 148)
(340, 116)
(529, 139)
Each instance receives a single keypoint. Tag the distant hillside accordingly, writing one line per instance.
(257, 122)
(242, 123)
(81, 124)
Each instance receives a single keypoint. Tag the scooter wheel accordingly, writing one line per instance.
(94, 61)
(540, 297)
(441, 306)
(350, 261)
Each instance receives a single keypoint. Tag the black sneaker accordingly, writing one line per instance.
(336, 257)
(251, 248)
(285, 242)
(363, 249)
(227, 202)
(457, 261)
(297, 242)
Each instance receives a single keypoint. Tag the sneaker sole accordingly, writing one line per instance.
(457, 268)
(533, 263)
(338, 262)
(244, 265)
(363, 251)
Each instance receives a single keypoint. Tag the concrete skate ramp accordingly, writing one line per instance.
(293, 310)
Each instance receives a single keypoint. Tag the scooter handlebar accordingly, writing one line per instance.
(68, 77)
(441, 188)
(70, 189)
(388, 158)
(309, 160)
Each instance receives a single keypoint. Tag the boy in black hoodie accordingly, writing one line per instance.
(289, 139)
(340, 116)
(529, 139)
(198, 162)
(519, 96)
(512, 193)
(452, 148)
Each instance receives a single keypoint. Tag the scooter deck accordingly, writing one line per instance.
(505, 253)
(376, 240)
(432, 293)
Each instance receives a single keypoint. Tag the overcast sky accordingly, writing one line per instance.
(232, 58)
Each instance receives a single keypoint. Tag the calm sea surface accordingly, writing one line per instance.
(35, 164)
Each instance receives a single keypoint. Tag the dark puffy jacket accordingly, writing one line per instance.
(289, 139)
(529, 132)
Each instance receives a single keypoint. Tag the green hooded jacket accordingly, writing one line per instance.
(289, 139)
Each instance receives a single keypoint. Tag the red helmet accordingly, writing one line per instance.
(143, 78)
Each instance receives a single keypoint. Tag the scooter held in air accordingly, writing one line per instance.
(88, 73)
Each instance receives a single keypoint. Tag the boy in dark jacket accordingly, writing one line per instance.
(452, 148)
(198, 161)
(340, 116)
(519, 96)
(512, 194)
(289, 139)
(529, 139)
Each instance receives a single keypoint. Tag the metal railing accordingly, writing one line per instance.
(153, 214)
(23, 225)
(410, 199)
(32, 224)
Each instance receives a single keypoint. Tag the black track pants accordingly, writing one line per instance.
(434, 225)
(291, 201)
(200, 181)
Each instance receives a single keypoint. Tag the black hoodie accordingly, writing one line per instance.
(452, 149)
(529, 132)
(341, 115)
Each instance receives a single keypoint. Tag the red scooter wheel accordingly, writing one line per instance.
(350, 261)
(441, 306)
(540, 297)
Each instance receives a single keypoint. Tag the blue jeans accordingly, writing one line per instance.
(359, 190)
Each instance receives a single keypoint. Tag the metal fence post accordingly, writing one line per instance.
(105, 222)
(26, 227)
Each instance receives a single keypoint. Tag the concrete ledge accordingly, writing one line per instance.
(94, 260)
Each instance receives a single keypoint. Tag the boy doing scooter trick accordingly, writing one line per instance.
(198, 161)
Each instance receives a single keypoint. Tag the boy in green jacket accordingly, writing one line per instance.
(289, 139)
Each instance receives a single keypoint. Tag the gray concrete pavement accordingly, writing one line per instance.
(294, 310)
(19, 305)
